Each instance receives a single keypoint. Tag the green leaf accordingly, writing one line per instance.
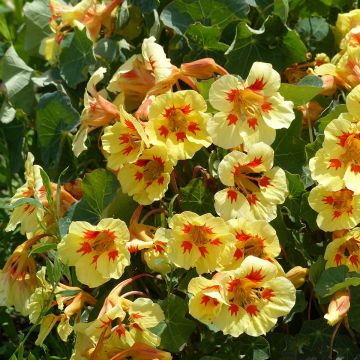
(76, 56)
(312, 148)
(296, 189)
(178, 328)
(55, 117)
(335, 279)
(307, 213)
(316, 270)
(65, 293)
(42, 248)
(204, 41)
(300, 306)
(354, 312)
(197, 198)
(334, 114)
(302, 93)
(7, 113)
(37, 18)
(180, 14)
(17, 79)
(289, 147)
(247, 347)
(273, 43)
(23, 201)
(99, 188)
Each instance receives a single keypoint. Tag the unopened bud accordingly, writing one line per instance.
(297, 275)
(329, 85)
(338, 307)
(202, 69)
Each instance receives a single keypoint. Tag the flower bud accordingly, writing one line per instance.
(202, 68)
(338, 307)
(297, 275)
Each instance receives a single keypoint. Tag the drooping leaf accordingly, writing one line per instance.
(180, 14)
(76, 56)
(37, 20)
(296, 189)
(274, 43)
(99, 188)
(178, 328)
(55, 117)
(197, 198)
(16, 75)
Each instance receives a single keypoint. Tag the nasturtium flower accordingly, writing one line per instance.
(254, 186)
(250, 111)
(140, 73)
(200, 241)
(124, 141)
(344, 250)
(147, 179)
(346, 21)
(18, 278)
(247, 300)
(178, 121)
(256, 296)
(338, 307)
(28, 215)
(97, 112)
(207, 300)
(253, 237)
(338, 209)
(98, 252)
(338, 161)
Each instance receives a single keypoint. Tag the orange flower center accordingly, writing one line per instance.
(177, 120)
(153, 170)
(247, 102)
(103, 241)
(342, 200)
(200, 234)
(352, 149)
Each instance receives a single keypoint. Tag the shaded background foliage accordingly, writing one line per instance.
(40, 110)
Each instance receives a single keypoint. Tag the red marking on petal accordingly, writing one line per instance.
(180, 136)
(255, 162)
(27, 193)
(234, 309)
(193, 127)
(128, 150)
(264, 181)
(232, 195)
(186, 109)
(124, 138)
(354, 259)
(137, 316)
(138, 176)
(91, 234)
(257, 85)
(129, 124)
(163, 131)
(169, 111)
(334, 163)
(216, 242)
(252, 199)
(338, 259)
(255, 275)
(159, 160)
(187, 246)
(133, 249)
(203, 250)
(187, 228)
(238, 254)
(266, 107)
(160, 180)
(252, 122)
(120, 330)
(328, 200)
(95, 259)
(85, 248)
(137, 326)
(342, 139)
(113, 254)
(205, 299)
(336, 214)
(267, 294)
(231, 95)
(252, 309)
(242, 236)
(141, 162)
(232, 119)
(29, 208)
(233, 284)
(355, 168)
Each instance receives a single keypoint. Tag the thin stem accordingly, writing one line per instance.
(311, 135)
(333, 339)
